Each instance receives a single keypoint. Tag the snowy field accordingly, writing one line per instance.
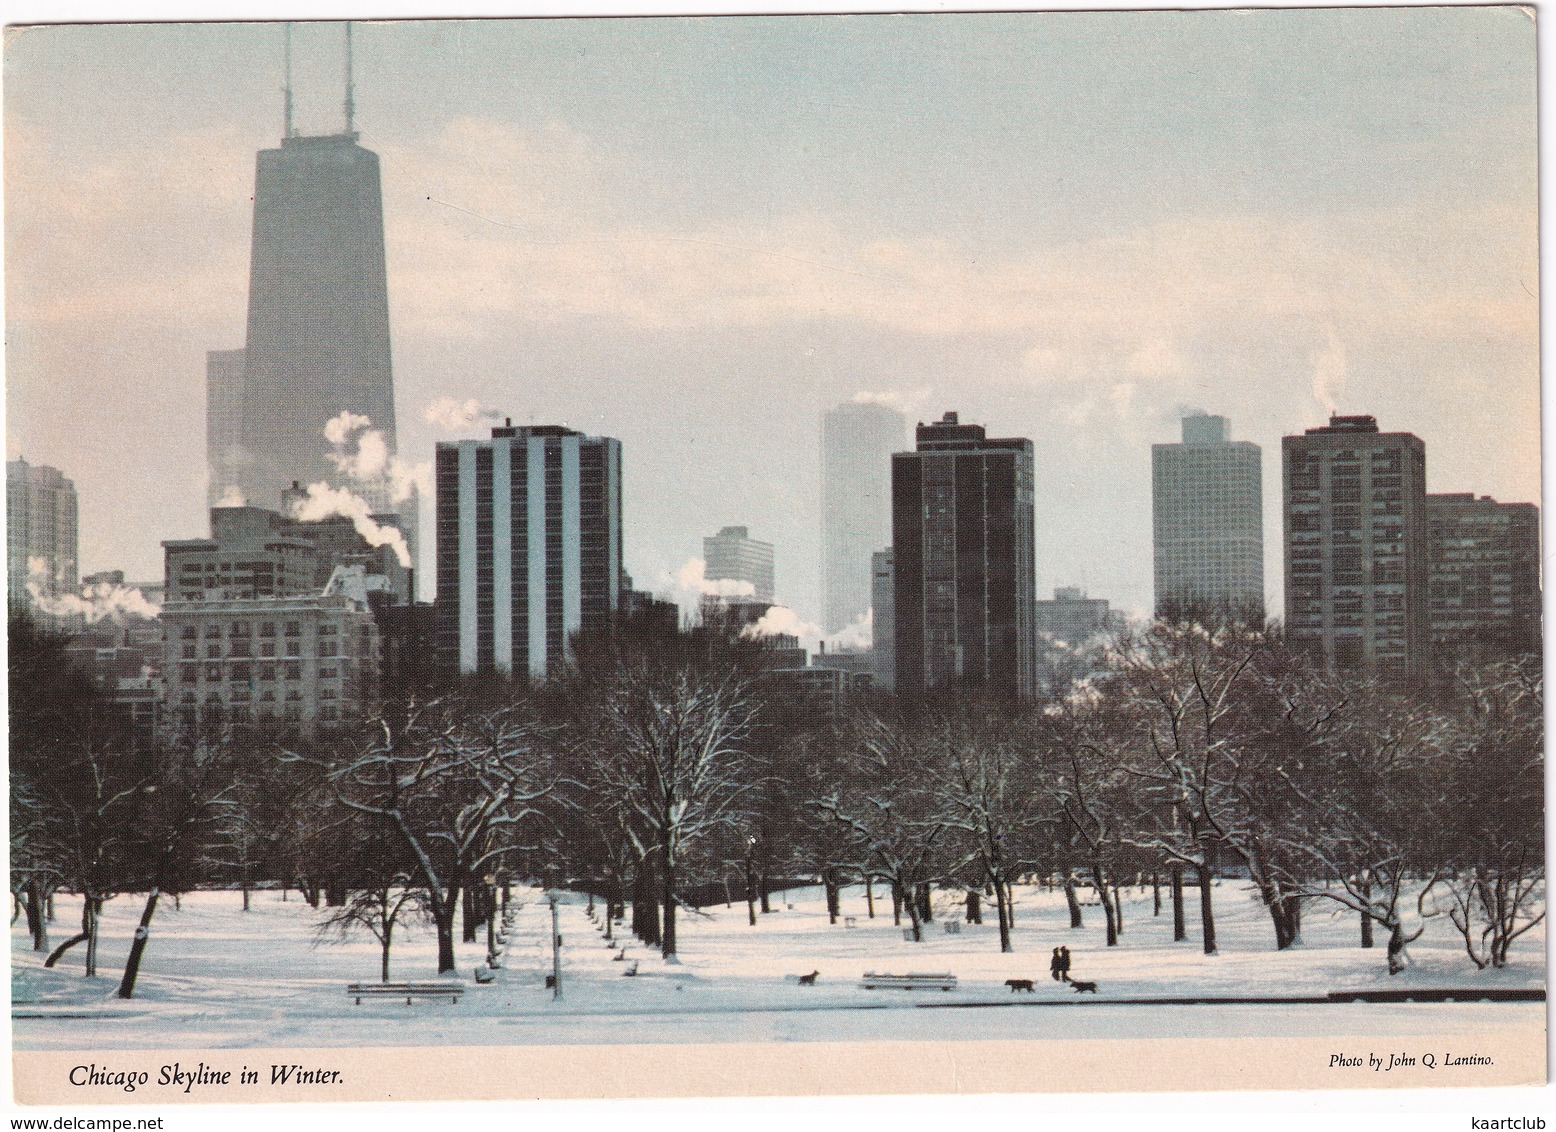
(216, 976)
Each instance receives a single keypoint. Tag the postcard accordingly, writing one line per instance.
(729, 556)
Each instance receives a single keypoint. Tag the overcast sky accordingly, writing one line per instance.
(697, 235)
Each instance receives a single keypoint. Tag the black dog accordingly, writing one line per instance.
(1019, 984)
(1080, 986)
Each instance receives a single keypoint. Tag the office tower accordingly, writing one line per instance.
(1357, 548)
(318, 326)
(962, 546)
(733, 555)
(1208, 521)
(528, 545)
(883, 624)
(857, 442)
(1485, 577)
(41, 533)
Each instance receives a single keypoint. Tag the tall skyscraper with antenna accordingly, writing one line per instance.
(318, 319)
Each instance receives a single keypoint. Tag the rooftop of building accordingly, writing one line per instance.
(949, 434)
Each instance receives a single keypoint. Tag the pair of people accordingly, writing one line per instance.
(1059, 965)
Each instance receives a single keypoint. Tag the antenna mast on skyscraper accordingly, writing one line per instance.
(289, 132)
(351, 109)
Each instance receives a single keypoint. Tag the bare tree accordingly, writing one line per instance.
(454, 785)
(894, 824)
(378, 910)
(677, 763)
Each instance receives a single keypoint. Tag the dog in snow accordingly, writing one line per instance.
(809, 980)
(1080, 986)
(1020, 985)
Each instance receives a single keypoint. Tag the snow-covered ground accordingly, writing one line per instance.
(216, 976)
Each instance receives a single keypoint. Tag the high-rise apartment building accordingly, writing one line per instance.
(1485, 576)
(528, 545)
(1208, 523)
(962, 547)
(857, 442)
(41, 537)
(1357, 548)
(733, 555)
(318, 327)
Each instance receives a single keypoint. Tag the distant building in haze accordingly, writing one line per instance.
(41, 535)
(857, 443)
(733, 555)
(1070, 631)
(1358, 548)
(528, 545)
(962, 546)
(1485, 577)
(883, 622)
(1208, 523)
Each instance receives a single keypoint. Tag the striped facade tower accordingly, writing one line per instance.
(528, 546)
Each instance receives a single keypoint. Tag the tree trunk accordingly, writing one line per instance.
(37, 924)
(926, 912)
(912, 906)
(469, 917)
(88, 929)
(1156, 893)
(1075, 905)
(869, 894)
(834, 899)
(1002, 907)
(1396, 952)
(1207, 916)
(751, 892)
(93, 912)
(245, 896)
(1099, 878)
(138, 948)
(896, 903)
(335, 895)
(766, 902)
(1180, 930)
(1118, 908)
(974, 907)
(1366, 920)
(443, 918)
(383, 965)
(667, 876)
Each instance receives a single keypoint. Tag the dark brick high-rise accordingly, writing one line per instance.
(962, 542)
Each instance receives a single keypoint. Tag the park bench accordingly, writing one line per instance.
(915, 981)
(407, 991)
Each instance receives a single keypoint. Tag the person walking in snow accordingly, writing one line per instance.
(1064, 964)
(1055, 965)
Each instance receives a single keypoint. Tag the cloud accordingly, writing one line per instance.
(324, 501)
(449, 414)
(690, 584)
(780, 620)
(1329, 372)
(96, 602)
(857, 634)
(371, 464)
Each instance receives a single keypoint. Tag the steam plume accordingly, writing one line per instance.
(323, 501)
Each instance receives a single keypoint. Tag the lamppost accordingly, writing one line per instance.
(556, 947)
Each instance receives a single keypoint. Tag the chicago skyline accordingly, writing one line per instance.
(546, 259)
